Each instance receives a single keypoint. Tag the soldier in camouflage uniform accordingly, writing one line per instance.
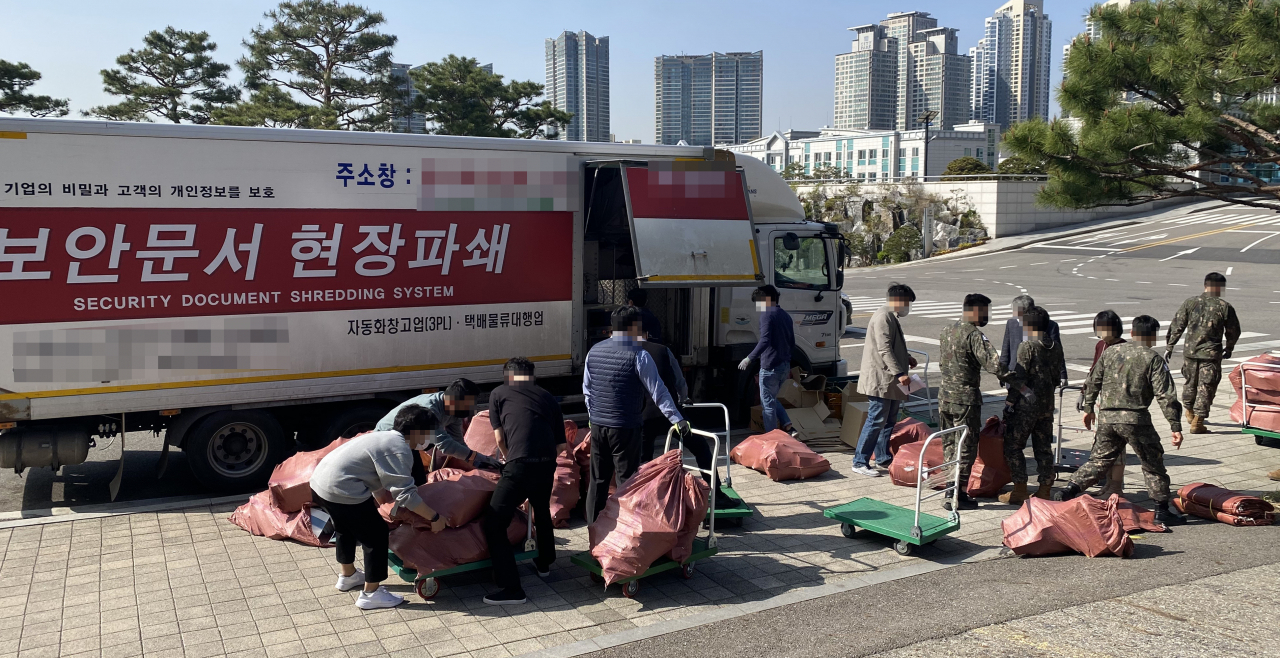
(1029, 408)
(1206, 319)
(966, 352)
(1123, 384)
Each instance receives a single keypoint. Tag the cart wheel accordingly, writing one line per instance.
(595, 577)
(1258, 440)
(629, 589)
(848, 530)
(734, 523)
(427, 588)
(686, 571)
(903, 548)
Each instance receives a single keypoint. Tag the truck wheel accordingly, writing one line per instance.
(350, 422)
(235, 450)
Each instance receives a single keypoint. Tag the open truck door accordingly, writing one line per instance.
(690, 224)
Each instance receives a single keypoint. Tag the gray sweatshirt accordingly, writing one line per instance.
(378, 460)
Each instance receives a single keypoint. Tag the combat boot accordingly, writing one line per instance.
(1186, 411)
(1016, 496)
(1169, 516)
(1045, 492)
(1197, 425)
(965, 502)
(1067, 493)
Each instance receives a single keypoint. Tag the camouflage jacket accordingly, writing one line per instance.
(1123, 383)
(966, 352)
(1039, 367)
(1206, 320)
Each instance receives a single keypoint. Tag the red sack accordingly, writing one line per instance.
(1264, 388)
(656, 512)
(1082, 525)
(779, 456)
(1205, 512)
(480, 436)
(290, 483)
(566, 490)
(582, 451)
(458, 496)
(262, 518)
(426, 553)
(908, 430)
(1136, 519)
(990, 471)
(1216, 499)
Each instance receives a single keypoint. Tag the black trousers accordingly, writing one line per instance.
(520, 481)
(359, 524)
(615, 453)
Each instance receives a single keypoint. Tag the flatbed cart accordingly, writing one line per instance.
(1057, 437)
(427, 585)
(702, 548)
(910, 527)
(1260, 436)
(739, 510)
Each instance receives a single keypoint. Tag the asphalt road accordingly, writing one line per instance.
(933, 610)
(1148, 268)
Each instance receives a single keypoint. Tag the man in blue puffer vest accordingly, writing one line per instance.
(619, 375)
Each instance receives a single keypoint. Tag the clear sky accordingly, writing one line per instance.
(69, 42)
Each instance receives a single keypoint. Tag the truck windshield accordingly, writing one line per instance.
(805, 267)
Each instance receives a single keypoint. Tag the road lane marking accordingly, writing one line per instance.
(1185, 237)
(1181, 253)
(1231, 268)
(1044, 263)
(1270, 234)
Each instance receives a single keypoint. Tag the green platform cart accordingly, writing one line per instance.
(910, 527)
(427, 585)
(1260, 436)
(738, 511)
(702, 547)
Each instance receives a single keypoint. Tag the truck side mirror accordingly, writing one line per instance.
(791, 242)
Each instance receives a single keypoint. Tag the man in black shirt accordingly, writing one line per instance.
(529, 429)
(655, 424)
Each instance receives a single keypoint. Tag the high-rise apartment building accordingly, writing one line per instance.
(403, 119)
(867, 81)
(708, 100)
(938, 79)
(1011, 64)
(578, 82)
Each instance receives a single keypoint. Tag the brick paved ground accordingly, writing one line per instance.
(188, 583)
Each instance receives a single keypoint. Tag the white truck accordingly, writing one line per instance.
(243, 289)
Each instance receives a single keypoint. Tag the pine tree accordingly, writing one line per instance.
(15, 79)
(173, 77)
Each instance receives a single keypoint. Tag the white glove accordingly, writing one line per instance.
(746, 363)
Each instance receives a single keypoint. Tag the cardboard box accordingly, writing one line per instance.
(814, 422)
(836, 401)
(791, 395)
(855, 416)
(757, 419)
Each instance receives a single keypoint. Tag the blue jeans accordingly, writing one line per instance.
(882, 415)
(773, 415)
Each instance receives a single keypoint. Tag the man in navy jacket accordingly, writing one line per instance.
(777, 335)
(1013, 334)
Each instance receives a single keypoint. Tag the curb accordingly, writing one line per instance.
(47, 516)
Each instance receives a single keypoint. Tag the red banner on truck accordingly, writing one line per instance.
(77, 264)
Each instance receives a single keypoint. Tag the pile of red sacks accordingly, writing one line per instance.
(1264, 389)
(1081, 525)
(283, 511)
(779, 456)
(655, 513)
(990, 471)
(1217, 504)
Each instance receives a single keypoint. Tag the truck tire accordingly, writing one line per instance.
(236, 450)
(350, 422)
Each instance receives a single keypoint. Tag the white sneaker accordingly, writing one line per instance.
(867, 471)
(348, 583)
(379, 598)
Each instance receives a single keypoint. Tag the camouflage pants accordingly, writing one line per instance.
(1108, 445)
(1020, 420)
(1200, 378)
(956, 415)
